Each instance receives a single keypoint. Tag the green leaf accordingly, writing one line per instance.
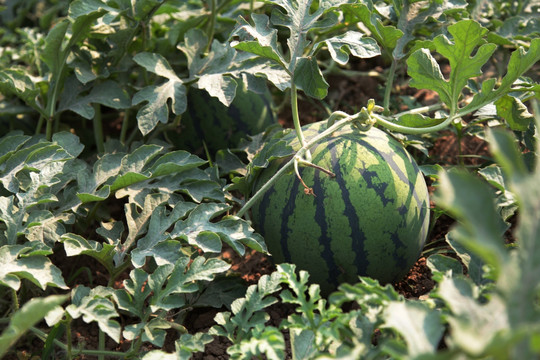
(104, 253)
(138, 221)
(155, 243)
(133, 296)
(13, 81)
(248, 312)
(53, 54)
(442, 265)
(69, 142)
(156, 110)
(414, 14)
(266, 341)
(215, 70)
(299, 18)
(79, 8)
(418, 121)
(107, 93)
(30, 314)
(472, 202)
(386, 35)
(303, 344)
(467, 38)
(309, 78)
(265, 42)
(351, 42)
(425, 73)
(185, 278)
(31, 158)
(10, 143)
(514, 112)
(12, 216)
(185, 346)
(473, 326)
(199, 230)
(93, 305)
(421, 327)
(17, 263)
(520, 62)
(519, 282)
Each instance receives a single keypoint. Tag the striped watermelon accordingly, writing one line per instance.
(221, 127)
(371, 219)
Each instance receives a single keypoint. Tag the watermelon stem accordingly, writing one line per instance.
(310, 164)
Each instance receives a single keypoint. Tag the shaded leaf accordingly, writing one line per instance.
(30, 314)
(309, 78)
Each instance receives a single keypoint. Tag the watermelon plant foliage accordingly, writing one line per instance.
(111, 216)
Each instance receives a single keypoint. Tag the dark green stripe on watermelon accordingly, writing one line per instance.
(221, 127)
(371, 219)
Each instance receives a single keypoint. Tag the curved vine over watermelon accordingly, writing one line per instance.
(221, 127)
(371, 219)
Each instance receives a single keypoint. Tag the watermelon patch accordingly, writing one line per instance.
(371, 219)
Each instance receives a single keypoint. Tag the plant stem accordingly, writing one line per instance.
(68, 336)
(125, 125)
(101, 344)
(39, 124)
(49, 128)
(211, 25)
(15, 299)
(409, 130)
(296, 118)
(389, 86)
(42, 335)
(98, 129)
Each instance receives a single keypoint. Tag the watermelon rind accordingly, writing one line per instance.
(207, 121)
(371, 219)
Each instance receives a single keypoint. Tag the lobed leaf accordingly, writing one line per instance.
(520, 62)
(415, 13)
(385, 35)
(157, 110)
(93, 305)
(353, 42)
(265, 42)
(309, 78)
(17, 262)
(184, 278)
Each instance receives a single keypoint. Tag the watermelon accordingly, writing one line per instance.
(371, 219)
(208, 120)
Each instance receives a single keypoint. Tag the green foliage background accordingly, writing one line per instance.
(90, 96)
